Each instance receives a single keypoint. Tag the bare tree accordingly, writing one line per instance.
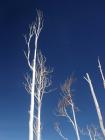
(87, 78)
(66, 102)
(37, 80)
(92, 132)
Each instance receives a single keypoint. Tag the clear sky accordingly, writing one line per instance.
(72, 39)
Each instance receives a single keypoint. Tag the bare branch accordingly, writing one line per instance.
(38, 23)
(32, 86)
(92, 132)
(28, 84)
(42, 75)
(101, 72)
(57, 128)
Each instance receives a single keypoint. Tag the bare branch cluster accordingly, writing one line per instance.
(28, 83)
(92, 132)
(68, 102)
(43, 81)
(34, 31)
(58, 129)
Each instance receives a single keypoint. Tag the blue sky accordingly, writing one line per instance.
(72, 39)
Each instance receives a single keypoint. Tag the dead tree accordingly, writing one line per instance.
(66, 102)
(100, 118)
(37, 80)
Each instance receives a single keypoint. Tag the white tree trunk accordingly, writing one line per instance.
(31, 120)
(39, 122)
(87, 78)
(75, 122)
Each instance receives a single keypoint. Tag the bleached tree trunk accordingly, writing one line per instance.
(39, 121)
(31, 121)
(101, 122)
(75, 122)
(35, 30)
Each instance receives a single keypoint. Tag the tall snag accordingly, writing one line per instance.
(37, 80)
(98, 110)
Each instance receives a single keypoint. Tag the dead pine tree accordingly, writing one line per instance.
(66, 102)
(37, 79)
(98, 110)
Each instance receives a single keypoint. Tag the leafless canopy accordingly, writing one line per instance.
(43, 80)
(34, 31)
(66, 102)
(67, 96)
